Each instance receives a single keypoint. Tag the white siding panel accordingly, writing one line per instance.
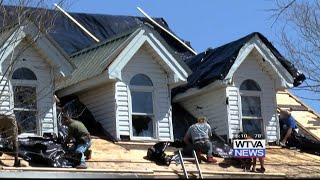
(34, 60)
(234, 110)
(122, 105)
(213, 106)
(101, 102)
(143, 62)
(252, 68)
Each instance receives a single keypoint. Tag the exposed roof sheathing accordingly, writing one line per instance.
(120, 157)
(306, 118)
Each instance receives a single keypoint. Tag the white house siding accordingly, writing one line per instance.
(251, 68)
(234, 110)
(144, 62)
(101, 102)
(214, 107)
(33, 60)
(122, 109)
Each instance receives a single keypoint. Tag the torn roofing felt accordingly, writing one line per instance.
(72, 39)
(214, 64)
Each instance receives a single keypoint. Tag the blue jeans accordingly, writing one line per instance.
(81, 148)
(204, 147)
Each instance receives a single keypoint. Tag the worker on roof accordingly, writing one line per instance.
(78, 132)
(288, 125)
(200, 134)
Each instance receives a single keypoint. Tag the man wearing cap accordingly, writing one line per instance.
(200, 134)
(77, 131)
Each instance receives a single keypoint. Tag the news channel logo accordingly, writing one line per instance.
(249, 148)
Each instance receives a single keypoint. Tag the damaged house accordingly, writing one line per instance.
(125, 80)
(235, 87)
(30, 62)
(129, 79)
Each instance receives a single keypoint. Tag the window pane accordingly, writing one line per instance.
(250, 85)
(26, 121)
(24, 74)
(25, 97)
(142, 126)
(142, 102)
(252, 126)
(251, 106)
(141, 80)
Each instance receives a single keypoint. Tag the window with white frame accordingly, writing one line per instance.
(25, 99)
(141, 88)
(252, 122)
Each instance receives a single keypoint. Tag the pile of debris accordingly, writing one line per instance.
(48, 150)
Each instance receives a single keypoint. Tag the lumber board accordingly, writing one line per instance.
(77, 170)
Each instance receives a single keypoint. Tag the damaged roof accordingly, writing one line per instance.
(214, 64)
(92, 61)
(306, 118)
(72, 39)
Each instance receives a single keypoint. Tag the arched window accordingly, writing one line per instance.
(141, 80)
(250, 85)
(141, 88)
(24, 74)
(252, 122)
(25, 99)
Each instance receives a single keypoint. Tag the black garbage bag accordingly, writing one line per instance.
(157, 153)
(46, 152)
(304, 143)
(220, 148)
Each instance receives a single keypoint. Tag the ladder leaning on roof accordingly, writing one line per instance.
(195, 158)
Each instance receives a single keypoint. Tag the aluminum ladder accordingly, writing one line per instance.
(195, 158)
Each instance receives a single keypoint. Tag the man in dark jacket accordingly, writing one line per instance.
(78, 132)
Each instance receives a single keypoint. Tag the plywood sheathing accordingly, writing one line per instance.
(306, 118)
(115, 158)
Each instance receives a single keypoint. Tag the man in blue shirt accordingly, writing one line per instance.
(288, 123)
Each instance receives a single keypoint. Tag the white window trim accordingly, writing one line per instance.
(135, 88)
(252, 93)
(30, 83)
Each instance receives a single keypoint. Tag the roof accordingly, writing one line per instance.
(306, 118)
(93, 61)
(129, 158)
(72, 39)
(214, 64)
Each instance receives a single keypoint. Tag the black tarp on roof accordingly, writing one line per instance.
(72, 39)
(214, 64)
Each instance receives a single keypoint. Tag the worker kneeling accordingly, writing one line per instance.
(79, 132)
(200, 134)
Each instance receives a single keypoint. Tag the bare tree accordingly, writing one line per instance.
(15, 14)
(299, 25)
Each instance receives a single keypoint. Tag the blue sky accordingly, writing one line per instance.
(205, 23)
